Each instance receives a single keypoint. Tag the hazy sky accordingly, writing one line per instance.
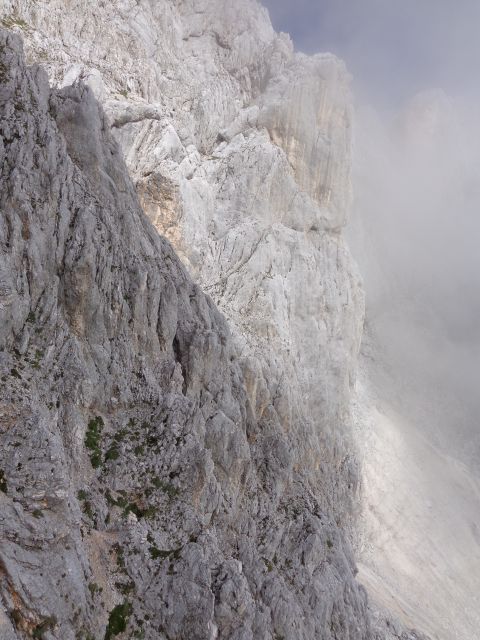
(393, 48)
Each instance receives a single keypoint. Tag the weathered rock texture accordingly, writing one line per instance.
(135, 465)
(160, 476)
(240, 152)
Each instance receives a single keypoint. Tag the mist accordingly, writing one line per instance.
(393, 49)
(415, 224)
(415, 233)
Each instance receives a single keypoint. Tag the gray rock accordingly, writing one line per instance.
(226, 490)
(140, 483)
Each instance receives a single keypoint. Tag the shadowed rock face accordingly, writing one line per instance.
(239, 149)
(141, 490)
(163, 475)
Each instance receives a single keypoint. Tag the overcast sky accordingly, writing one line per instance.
(393, 48)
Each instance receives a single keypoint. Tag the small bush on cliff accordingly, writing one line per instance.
(118, 620)
(93, 440)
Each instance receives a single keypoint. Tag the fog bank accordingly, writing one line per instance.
(415, 225)
(415, 232)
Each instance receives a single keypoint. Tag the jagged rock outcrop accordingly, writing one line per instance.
(140, 487)
(240, 151)
(160, 471)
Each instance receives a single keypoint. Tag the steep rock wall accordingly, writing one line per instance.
(240, 151)
(226, 475)
(141, 492)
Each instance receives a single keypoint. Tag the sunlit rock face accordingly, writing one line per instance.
(240, 152)
(189, 479)
(151, 481)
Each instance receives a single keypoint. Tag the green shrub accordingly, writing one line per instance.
(156, 553)
(94, 588)
(125, 588)
(268, 564)
(43, 627)
(3, 481)
(166, 487)
(38, 357)
(93, 439)
(120, 435)
(112, 454)
(88, 510)
(118, 620)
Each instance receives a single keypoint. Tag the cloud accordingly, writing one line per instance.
(393, 48)
(416, 220)
(415, 235)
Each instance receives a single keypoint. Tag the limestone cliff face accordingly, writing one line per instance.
(141, 489)
(240, 152)
(163, 475)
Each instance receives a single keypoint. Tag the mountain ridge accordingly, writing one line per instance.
(204, 474)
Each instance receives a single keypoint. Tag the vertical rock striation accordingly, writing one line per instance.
(164, 475)
(240, 152)
(141, 489)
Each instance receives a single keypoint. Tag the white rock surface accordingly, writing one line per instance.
(239, 149)
(240, 152)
